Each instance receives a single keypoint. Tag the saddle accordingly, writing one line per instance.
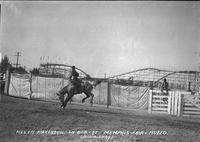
(77, 85)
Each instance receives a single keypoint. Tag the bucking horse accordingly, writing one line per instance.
(70, 89)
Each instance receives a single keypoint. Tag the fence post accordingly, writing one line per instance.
(172, 103)
(108, 94)
(180, 104)
(31, 91)
(176, 97)
(7, 82)
(169, 102)
(45, 88)
(150, 101)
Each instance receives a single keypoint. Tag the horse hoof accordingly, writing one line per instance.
(62, 106)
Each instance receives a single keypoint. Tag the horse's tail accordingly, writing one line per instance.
(87, 86)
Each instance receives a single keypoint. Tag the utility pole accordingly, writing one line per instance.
(17, 62)
(104, 75)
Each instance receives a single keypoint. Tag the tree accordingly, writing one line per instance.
(19, 70)
(5, 64)
(35, 71)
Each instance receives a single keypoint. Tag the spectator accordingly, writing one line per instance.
(2, 82)
(165, 86)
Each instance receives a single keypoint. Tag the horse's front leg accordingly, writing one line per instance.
(61, 98)
(67, 99)
(61, 94)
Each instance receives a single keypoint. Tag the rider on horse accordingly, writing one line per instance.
(75, 81)
(75, 86)
(74, 78)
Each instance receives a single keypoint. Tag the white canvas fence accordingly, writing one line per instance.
(176, 103)
(45, 88)
(132, 97)
(20, 85)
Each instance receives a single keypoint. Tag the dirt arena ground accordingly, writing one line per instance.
(24, 120)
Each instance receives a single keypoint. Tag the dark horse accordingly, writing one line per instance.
(85, 87)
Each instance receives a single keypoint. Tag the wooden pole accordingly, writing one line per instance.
(108, 94)
(173, 104)
(150, 101)
(180, 104)
(169, 102)
(7, 82)
(45, 88)
(176, 97)
(31, 91)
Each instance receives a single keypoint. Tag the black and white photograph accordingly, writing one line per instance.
(99, 71)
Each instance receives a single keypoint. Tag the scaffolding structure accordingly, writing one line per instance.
(60, 70)
(146, 77)
(178, 80)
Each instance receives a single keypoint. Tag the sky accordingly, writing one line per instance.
(103, 37)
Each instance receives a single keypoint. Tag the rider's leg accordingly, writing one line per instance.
(77, 85)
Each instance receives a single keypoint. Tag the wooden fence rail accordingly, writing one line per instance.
(176, 103)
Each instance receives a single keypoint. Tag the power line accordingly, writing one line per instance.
(17, 61)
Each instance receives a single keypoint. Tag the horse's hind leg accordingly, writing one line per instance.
(87, 96)
(70, 101)
(91, 100)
